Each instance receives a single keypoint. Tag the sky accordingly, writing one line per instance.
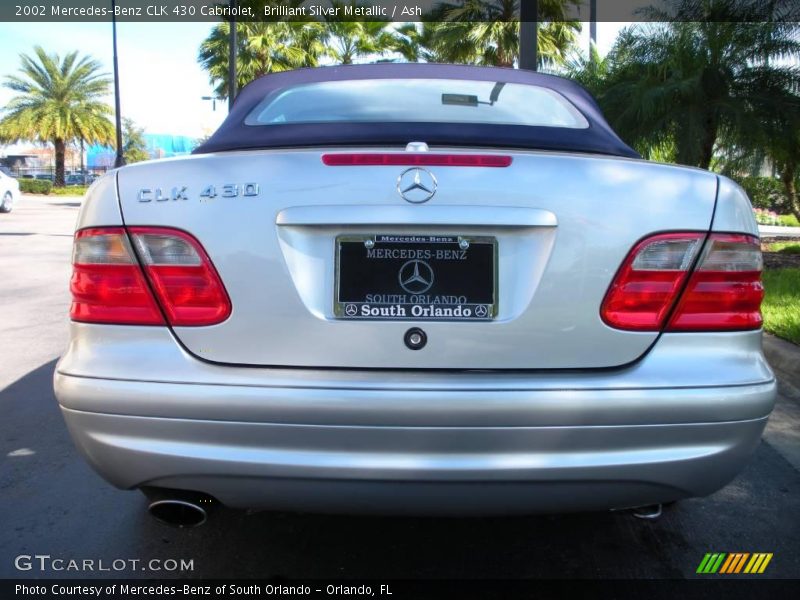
(161, 82)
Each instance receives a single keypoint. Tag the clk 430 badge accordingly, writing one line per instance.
(226, 190)
(162, 194)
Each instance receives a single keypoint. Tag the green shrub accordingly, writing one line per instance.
(70, 190)
(766, 193)
(788, 221)
(783, 247)
(35, 186)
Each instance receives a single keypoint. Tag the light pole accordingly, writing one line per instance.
(213, 101)
(528, 34)
(232, 50)
(592, 24)
(119, 159)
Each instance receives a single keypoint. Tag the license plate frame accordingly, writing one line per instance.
(404, 277)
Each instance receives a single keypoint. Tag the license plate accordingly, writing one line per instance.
(416, 277)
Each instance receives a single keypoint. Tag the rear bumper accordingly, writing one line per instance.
(145, 413)
(431, 470)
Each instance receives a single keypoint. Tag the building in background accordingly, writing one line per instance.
(158, 146)
(38, 160)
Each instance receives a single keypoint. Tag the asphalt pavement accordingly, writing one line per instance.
(52, 503)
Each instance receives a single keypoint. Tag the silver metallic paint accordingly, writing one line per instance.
(244, 464)
(680, 419)
(551, 280)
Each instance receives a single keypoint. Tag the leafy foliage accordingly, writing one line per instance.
(59, 100)
(765, 192)
(262, 48)
(486, 32)
(483, 32)
(134, 148)
(345, 41)
(70, 190)
(692, 84)
(788, 221)
(35, 186)
(713, 84)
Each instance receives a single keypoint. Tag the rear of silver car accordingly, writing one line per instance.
(617, 361)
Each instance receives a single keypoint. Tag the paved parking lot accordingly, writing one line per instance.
(52, 503)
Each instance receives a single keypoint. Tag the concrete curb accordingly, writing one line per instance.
(783, 357)
(773, 231)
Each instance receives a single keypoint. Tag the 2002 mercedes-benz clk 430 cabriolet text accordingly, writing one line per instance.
(415, 288)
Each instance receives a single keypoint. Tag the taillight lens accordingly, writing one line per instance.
(723, 293)
(649, 280)
(109, 286)
(183, 278)
(725, 290)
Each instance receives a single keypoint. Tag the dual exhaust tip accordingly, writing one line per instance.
(179, 508)
(185, 509)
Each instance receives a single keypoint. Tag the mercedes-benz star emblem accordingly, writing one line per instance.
(481, 311)
(416, 185)
(351, 310)
(415, 277)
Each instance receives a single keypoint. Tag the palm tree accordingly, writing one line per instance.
(691, 84)
(774, 143)
(486, 32)
(348, 40)
(263, 48)
(415, 42)
(59, 101)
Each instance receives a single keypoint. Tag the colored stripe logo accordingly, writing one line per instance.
(731, 563)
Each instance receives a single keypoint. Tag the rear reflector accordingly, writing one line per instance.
(402, 159)
(723, 293)
(110, 286)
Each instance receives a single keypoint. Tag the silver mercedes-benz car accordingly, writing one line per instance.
(415, 288)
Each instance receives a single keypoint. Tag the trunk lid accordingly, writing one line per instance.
(562, 224)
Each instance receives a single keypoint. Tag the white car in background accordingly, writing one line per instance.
(9, 192)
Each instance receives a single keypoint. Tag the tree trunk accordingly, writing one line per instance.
(788, 175)
(709, 139)
(61, 150)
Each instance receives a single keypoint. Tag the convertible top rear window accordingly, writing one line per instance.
(388, 105)
(417, 100)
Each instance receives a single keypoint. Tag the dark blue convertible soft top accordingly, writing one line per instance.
(235, 134)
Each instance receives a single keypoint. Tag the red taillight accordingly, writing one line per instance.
(402, 159)
(649, 280)
(723, 293)
(183, 278)
(109, 285)
(725, 290)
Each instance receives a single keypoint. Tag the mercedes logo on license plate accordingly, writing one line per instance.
(415, 277)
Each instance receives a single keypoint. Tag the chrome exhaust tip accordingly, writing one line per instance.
(648, 513)
(178, 513)
(180, 509)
